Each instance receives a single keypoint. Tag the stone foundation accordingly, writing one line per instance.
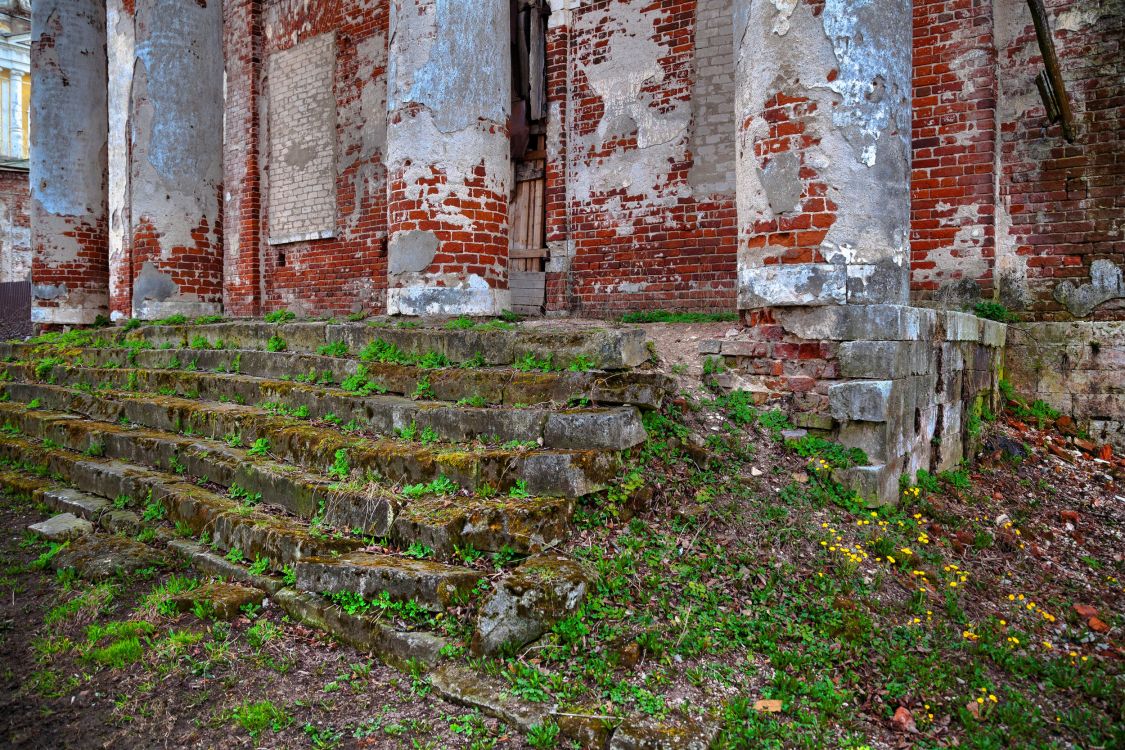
(1076, 368)
(907, 385)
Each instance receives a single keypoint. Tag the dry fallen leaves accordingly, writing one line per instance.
(1085, 611)
(904, 720)
(768, 705)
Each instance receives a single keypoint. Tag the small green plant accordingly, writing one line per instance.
(34, 404)
(235, 555)
(519, 490)
(423, 389)
(429, 436)
(154, 511)
(433, 361)
(95, 449)
(260, 565)
(994, 311)
(199, 342)
(121, 502)
(545, 735)
(475, 401)
(419, 551)
(341, 468)
(279, 316)
(261, 447)
(335, 349)
(276, 344)
(581, 363)
(172, 320)
(233, 439)
(528, 363)
(460, 324)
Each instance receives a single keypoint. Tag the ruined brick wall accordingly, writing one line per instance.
(15, 226)
(348, 271)
(645, 150)
(999, 197)
(242, 51)
(954, 140)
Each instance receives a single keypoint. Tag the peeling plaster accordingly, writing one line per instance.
(177, 119)
(629, 63)
(1105, 284)
(854, 63)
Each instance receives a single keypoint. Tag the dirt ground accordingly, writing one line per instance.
(192, 676)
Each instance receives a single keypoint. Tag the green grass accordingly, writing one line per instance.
(256, 717)
(666, 316)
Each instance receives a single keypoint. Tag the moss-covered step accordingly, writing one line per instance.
(440, 516)
(554, 473)
(498, 386)
(605, 347)
(428, 584)
(587, 428)
(230, 525)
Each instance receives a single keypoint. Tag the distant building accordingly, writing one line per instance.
(15, 101)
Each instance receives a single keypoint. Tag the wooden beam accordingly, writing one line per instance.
(1051, 63)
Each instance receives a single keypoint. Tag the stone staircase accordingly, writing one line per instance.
(313, 460)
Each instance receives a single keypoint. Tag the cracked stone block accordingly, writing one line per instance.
(526, 603)
(864, 400)
(62, 527)
(223, 601)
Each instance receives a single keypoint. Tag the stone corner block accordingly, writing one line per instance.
(862, 400)
(961, 326)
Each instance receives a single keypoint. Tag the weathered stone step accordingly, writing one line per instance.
(441, 522)
(593, 429)
(431, 585)
(556, 473)
(508, 387)
(605, 347)
(229, 525)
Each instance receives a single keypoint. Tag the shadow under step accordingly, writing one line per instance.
(431, 585)
(556, 473)
(442, 522)
(606, 347)
(644, 389)
(617, 428)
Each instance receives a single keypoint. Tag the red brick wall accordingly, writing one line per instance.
(634, 246)
(349, 271)
(1053, 208)
(242, 44)
(954, 135)
(15, 225)
(1066, 202)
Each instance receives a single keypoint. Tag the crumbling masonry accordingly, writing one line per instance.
(850, 175)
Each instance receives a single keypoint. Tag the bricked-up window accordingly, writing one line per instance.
(302, 141)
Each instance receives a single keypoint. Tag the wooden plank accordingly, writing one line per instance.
(527, 280)
(527, 252)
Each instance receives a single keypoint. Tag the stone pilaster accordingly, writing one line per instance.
(176, 172)
(822, 104)
(68, 162)
(448, 160)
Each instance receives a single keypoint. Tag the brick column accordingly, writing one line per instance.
(177, 159)
(242, 40)
(68, 162)
(448, 157)
(121, 53)
(823, 108)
